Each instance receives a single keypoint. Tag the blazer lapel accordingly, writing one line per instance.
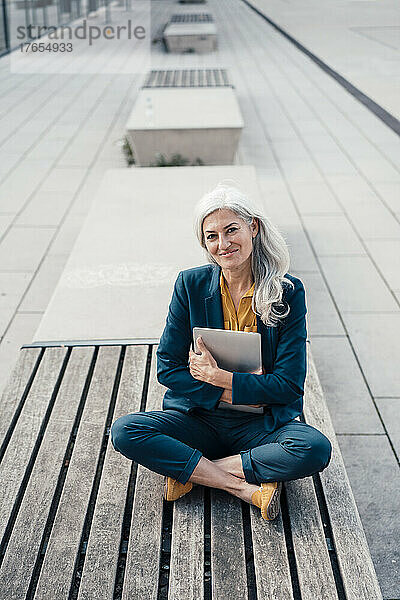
(213, 304)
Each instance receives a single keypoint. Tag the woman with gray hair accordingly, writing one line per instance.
(204, 434)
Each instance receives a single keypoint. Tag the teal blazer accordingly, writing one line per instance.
(196, 302)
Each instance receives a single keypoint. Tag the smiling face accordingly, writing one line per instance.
(229, 239)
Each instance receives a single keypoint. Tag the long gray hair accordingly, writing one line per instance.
(270, 256)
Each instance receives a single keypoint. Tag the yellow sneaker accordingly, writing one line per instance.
(174, 490)
(267, 499)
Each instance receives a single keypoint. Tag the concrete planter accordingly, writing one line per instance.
(200, 122)
(191, 33)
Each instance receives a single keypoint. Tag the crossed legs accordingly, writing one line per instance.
(191, 448)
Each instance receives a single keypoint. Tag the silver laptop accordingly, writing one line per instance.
(238, 351)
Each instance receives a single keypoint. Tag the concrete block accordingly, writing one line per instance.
(191, 35)
(118, 281)
(346, 393)
(198, 123)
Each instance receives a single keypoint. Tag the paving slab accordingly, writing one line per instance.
(375, 480)
(386, 255)
(390, 194)
(42, 286)
(65, 237)
(354, 190)
(376, 339)
(322, 317)
(64, 180)
(23, 248)
(5, 222)
(299, 171)
(47, 149)
(12, 288)
(315, 198)
(349, 401)
(45, 209)
(302, 258)
(356, 285)
(16, 189)
(8, 162)
(389, 409)
(332, 235)
(21, 329)
(374, 222)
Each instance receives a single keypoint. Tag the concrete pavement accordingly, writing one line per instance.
(330, 177)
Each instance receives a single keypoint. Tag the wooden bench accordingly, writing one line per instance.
(78, 520)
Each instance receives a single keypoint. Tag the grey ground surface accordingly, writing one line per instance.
(330, 179)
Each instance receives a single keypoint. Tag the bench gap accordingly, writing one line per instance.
(165, 550)
(20, 406)
(28, 470)
(125, 530)
(61, 480)
(80, 558)
(330, 542)
(329, 539)
(248, 553)
(127, 518)
(287, 528)
(207, 545)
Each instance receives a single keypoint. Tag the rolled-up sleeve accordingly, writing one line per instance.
(173, 353)
(286, 382)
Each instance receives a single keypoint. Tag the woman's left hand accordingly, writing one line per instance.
(202, 366)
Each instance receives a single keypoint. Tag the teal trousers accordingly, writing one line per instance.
(171, 443)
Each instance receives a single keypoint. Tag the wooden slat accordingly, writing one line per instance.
(228, 564)
(143, 559)
(270, 558)
(98, 577)
(312, 558)
(15, 387)
(19, 450)
(356, 567)
(27, 533)
(58, 566)
(186, 580)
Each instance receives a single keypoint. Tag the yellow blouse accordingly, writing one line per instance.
(245, 318)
